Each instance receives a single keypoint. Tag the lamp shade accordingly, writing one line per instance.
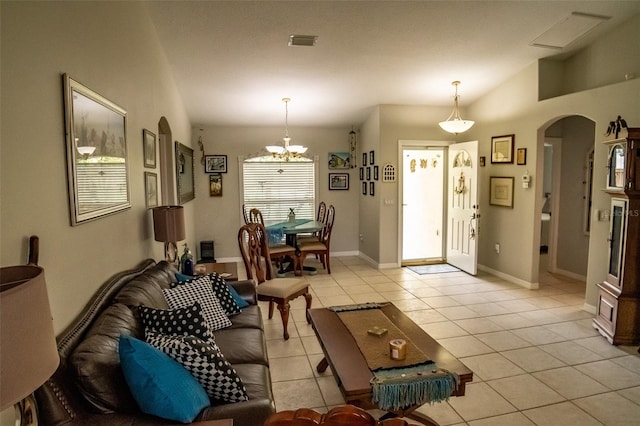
(28, 351)
(168, 223)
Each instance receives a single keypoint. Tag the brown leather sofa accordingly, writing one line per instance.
(89, 388)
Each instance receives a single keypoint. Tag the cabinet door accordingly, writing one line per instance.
(617, 232)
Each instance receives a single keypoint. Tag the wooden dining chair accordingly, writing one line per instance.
(278, 250)
(245, 214)
(321, 216)
(255, 253)
(322, 246)
(346, 415)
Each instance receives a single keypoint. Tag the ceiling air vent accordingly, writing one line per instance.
(302, 40)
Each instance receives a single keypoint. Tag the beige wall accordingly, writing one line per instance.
(218, 218)
(111, 48)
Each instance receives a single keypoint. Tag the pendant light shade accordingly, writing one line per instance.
(286, 151)
(455, 124)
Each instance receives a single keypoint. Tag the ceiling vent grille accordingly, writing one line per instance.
(302, 40)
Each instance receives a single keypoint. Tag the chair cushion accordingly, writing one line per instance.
(281, 287)
(181, 321)
(205, 362)
(159, 384)
(199, 291)
(280, 249)
(312, 245)
(220, 289)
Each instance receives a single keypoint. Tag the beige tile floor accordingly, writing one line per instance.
(535, 356)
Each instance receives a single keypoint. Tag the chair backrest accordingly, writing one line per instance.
(325, 234)
(346, 415)
(245, 214)
(255, 252)
(255, 216)
(322, 212)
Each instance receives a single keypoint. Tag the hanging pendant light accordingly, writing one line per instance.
(455, 124)
(286, 151)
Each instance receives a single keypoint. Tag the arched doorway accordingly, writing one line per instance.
(167, 175)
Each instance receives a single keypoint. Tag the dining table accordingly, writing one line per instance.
(291, 229)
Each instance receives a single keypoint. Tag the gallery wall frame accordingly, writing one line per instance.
(339, 160)
(149, 148)
(150, 189)
(215, 185)
(184, 173)
(364, 188)
(501, 191)
(502, 149)
(338, 181)
(97, 155)
(521, 156)
(215, 164)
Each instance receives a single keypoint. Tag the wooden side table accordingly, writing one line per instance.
(220, 268)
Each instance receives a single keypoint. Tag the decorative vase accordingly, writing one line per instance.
(292, 216)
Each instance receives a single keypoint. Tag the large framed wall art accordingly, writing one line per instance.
(97, 168)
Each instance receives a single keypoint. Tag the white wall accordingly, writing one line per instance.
(219, 218)
(112, 48)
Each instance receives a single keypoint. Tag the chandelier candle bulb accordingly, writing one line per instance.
(398, 349)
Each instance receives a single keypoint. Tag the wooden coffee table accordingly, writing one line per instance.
(350, 367)
(220, 268)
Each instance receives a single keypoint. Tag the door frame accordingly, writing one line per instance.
(408, 143)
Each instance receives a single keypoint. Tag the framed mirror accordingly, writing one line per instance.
(184, 173)
(97, 169)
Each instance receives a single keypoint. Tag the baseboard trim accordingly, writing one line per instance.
(590, 308)
(570, 274)
(510, 278)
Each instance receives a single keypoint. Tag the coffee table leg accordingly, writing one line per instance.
(322, 365)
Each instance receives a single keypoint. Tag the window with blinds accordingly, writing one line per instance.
(274, 187)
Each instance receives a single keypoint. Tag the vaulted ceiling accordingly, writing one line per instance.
(233, 66)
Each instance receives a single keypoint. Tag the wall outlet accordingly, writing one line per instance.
(361, 237)
(497, 248)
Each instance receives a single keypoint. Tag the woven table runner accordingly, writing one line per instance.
(376, 348)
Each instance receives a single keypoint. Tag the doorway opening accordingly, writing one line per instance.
(167, 174)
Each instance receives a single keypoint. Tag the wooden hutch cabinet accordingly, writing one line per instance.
(618, 307)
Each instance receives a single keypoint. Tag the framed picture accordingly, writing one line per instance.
(215, 164)
(482, 161)
(364, 159)
(361, 173)
(149, 148)
(184, 173)
(150, 189)
(372, 188)
(501, 191)
(376, 172)
(521, 156)
(97, 165)
(339, 181)
(215, 185)
(371, 158)
(502, 149)
(339, 160)
(364, 188)
(369, 173)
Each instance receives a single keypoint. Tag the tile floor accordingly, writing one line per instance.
(535, 356)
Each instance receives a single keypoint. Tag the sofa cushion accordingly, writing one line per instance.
(243, 345)
(199, 291)
(181, 321)
(205, 362)
(160, 385)
(251, 318)
(220, 289)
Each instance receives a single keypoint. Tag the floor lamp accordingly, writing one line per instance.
(29, 351)
(168, 227)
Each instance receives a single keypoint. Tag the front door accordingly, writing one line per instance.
(462, 212)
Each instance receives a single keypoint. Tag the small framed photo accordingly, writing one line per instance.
(150, 189)
(364, 188)
(361, 173)
(521, 156)
(501, 191)
(339, 181)
(482, 161)
(215, 164)
(149, 148)
(368, 173)
(372, 188)
(502, 149)
(371, 158)
(376, 172)
(364, 159)
(215, 185)
(339, 160)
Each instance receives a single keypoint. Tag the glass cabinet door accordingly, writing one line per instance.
(616, 239)
(616, 177)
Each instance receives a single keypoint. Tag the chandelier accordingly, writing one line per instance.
(455, 124)
(286, 151)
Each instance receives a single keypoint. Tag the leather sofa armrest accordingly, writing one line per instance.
(246, 289)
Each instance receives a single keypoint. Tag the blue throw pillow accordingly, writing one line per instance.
(183, 277)
(239, 300)
(160, 385)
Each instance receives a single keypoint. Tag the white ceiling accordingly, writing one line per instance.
(233, 66)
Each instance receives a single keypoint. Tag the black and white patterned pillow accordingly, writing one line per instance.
(201, 291)
(181, 321)
(220, 289)
(205, 362)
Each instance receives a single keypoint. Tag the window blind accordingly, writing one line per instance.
(276, 187)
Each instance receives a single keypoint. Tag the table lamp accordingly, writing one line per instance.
(28, 350)
(168, 227)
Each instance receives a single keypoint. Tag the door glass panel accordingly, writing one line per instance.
(616, 235)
